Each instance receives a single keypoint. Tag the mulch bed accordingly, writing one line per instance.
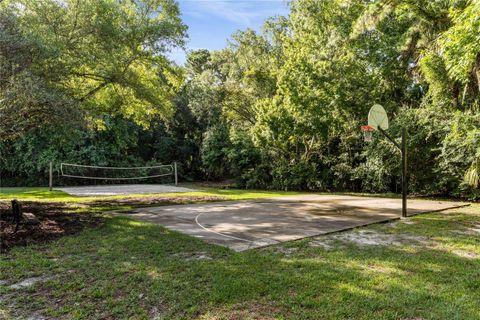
(56, 221)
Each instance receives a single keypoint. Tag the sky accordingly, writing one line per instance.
(211, 22)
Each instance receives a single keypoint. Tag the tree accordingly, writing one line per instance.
(461, 52)
(109, 55)
(27, 101)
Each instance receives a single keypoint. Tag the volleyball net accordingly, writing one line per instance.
(89, 172)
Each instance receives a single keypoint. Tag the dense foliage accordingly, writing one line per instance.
(276, 109)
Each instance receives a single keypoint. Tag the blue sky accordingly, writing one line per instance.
(211, 22)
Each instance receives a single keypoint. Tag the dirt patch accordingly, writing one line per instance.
(146, 201)
(475, 229)
(407, 221)
(192, 256)
(395, 224)
(471, 231)
(243, 311)
(368, 238)
(55, 221)
(29, 282)
(287, 252)
(465, 254)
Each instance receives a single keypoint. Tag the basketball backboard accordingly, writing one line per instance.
(377, 117)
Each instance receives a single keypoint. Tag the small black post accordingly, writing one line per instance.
(404, 173)
(50, 176)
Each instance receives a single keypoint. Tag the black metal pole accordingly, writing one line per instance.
(404, 174)
(403, 150)
(390, 138)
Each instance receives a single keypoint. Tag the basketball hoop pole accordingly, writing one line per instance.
(404, 173)
(403, 150)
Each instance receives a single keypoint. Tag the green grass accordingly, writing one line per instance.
(136, 270)
(43, 194)
(22, 193)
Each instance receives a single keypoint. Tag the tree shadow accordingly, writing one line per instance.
(127, 259)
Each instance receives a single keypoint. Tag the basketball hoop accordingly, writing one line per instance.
(367, 132)
(378, 120)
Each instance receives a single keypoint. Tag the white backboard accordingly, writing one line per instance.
(377, 117)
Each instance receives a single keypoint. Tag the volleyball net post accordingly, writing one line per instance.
(175, 172)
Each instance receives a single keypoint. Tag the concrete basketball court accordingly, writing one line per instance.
(123, 189)
(243, 225)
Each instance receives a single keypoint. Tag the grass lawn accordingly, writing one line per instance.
(43, 194)
(425, 267)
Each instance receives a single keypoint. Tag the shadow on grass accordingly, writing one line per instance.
(132, 269)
